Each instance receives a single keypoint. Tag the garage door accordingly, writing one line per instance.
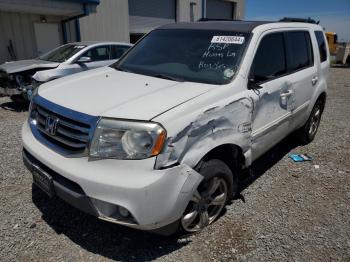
(146, 15)
(47, 37)
(219, 9)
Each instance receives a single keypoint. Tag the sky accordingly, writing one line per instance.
(334, 15)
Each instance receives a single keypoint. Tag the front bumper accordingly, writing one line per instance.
(154, 198)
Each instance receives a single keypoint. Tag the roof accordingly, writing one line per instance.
(236, 25)
(95, 2)
(240, 26)
(90, 43)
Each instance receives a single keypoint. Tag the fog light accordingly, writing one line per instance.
(114, 213)
(123, 211)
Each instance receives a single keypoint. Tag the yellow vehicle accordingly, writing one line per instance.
(332, 39)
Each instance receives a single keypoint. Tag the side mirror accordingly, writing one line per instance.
(84, 59)
(252, 84)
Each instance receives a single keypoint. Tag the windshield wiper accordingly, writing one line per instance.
(121, 69)
(163, 76)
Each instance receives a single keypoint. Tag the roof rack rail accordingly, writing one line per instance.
(215, 19)
(300, 20)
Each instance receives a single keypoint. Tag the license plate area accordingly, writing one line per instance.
(43, 180)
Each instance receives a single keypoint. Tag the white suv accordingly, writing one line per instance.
(156, 141)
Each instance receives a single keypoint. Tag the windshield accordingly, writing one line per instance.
(62, 53)
(187, 55)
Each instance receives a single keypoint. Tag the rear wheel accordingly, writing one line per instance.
(209, 199)
(308, 132)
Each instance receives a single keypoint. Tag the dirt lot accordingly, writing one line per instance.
(292, 211)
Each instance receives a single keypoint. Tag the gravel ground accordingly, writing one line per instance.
(290, 211)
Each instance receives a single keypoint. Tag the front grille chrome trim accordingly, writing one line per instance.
(74, 130)
(63, 141)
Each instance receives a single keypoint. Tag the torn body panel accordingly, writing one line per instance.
(224, 123)
(18, 83)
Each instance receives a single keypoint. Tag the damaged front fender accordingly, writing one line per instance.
(222, 124)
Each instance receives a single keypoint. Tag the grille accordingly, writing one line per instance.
(60, 132)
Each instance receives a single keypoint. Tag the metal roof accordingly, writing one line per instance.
(96, 2)
(238, 26)
(89, 43)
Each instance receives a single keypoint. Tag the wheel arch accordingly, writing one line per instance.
(322, 97)
(231, 154)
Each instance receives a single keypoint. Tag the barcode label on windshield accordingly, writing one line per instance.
(221, 39)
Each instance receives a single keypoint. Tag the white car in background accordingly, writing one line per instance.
(19, 79)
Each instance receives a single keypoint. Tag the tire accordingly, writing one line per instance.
(347, 61)
(217, 188)
(307, 133)
(19, 99)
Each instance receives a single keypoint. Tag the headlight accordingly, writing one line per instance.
(121, 139)
(33, 91)
(30, 98)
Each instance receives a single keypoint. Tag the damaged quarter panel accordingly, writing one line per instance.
(223, 119)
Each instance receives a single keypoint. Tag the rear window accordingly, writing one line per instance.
(321, 45)
(99, 53)
(269, 61)
(300, 50)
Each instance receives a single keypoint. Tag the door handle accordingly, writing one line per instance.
(286, 94)
(314, 80)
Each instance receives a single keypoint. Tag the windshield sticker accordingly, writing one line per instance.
(216, 65)
(228, 73)
(79, 46)
(221, 39)
(215, 57)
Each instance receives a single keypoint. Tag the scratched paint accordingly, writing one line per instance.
(227, 124)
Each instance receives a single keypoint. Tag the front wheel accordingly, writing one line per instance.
(208, 200)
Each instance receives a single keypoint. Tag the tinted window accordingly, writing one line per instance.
(270, 59)
(321, 45)
(300, 50)
(99, 53)
(118, 51)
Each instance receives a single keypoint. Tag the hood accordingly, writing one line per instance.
(111, 93)
(24, 65)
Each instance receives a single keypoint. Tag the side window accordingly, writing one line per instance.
(118, 50)
(300, 50)
(99, 53)
(322, 47)
(270, 58)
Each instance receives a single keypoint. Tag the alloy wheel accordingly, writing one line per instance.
(206, 204)
(315, 121)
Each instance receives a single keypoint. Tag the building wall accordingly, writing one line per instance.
(109, 23)
(45, 7)
(183, 10)
(19, 28)
(240, 11)
(71, 32)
